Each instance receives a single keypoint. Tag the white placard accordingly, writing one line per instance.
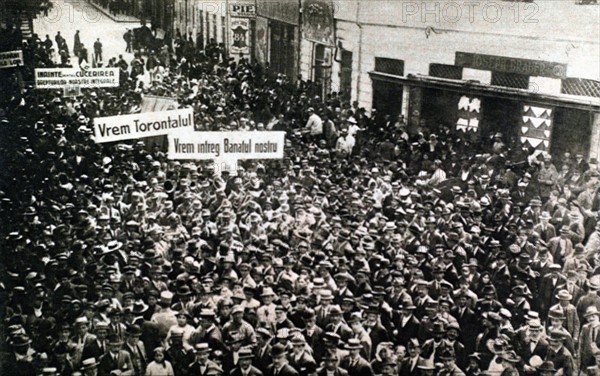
(11, 59)
(57, 78)
(148, 124)
(226, 145)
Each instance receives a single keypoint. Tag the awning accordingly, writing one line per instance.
(478, 89)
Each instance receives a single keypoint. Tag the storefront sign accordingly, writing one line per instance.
(242, 9)
(239, 43)
(280, 10)
(511, 65)
(127, 127)
(226, 145)
(57, 78)
(11, 59)
(317, 22)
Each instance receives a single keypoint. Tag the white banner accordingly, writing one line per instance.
(127, 127)
(11, 59)
(226, 145)
(57, 78)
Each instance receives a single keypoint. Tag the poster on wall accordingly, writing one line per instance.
(318, 21)
(240, 36)
(262, 39)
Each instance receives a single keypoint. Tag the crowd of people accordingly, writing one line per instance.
(372, 248)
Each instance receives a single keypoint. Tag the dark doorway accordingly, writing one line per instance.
(571, 131)
(282, 49)
(501, 115)
(387, 97)
(440, 107)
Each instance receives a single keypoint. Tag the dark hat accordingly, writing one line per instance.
(511, 357)
(20, 340)
(278, 350)
(556, 335)
(447, 353)
(114, 339)
(133, 330)
(546, 366)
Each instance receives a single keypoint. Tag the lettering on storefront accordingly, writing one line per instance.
(242, 10)
(511, 65)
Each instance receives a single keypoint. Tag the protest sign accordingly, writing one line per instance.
(57, 78)
(127, 127)
(230, 145)
(11, 59)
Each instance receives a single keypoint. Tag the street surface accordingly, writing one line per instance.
(68, 16)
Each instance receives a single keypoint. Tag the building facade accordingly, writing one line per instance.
(528, 70)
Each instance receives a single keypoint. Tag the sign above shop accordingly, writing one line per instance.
(318, 21)
(242, 10)
(511, 65)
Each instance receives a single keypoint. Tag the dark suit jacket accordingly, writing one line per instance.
(362, 368)
(262, 360)
(546, 291)
(405, 367)
(253, 372)
(122, 363)
(562, 360)
(408, 331)
(138, 357)
(287, 370)
(338, 372)
(305, 365)
(194, 368)
(93, 350)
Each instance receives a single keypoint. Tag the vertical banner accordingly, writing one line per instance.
(317, 25)
(261, 42)
(536, 127)
(240, 36)
(469, 114)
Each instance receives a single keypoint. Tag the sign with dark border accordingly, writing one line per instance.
(317, 21)
(511, 65)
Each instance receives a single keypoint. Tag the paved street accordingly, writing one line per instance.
(69, 16)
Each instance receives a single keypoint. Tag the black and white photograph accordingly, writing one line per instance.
(299, 188)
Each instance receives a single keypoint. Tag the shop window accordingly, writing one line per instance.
(581, 86)
(517, 81)
(445, 71)
(389, 66)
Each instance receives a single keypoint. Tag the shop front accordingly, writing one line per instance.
(552, 123)
(281, 19)
(318, 30)
(530, 102)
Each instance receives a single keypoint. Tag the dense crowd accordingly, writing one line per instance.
(372, 248)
